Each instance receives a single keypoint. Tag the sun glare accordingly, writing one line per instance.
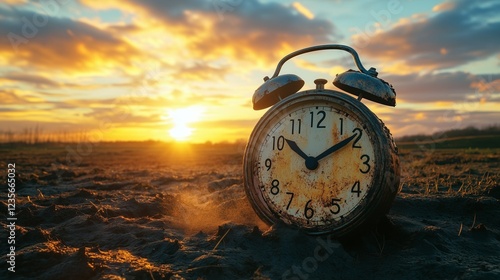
(181, 119)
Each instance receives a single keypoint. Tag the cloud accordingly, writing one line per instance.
(412, 122)
(487, 83)
(41, 82)
(14, 2)
(200, 71)
(445, 87)
(8, 110)
(460, 32)
(40, 40)
(226, 129)
(251, 31)
(10, 97)
(123, 116)
(173, 99)
(448, 86)
(20, 97)
(36, 80)
(32, 101)
(448, 5)
(244, 124)
(143, 108)
(263, 32)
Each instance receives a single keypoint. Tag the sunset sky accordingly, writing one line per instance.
(139, 70)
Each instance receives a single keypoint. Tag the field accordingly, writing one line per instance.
(154, 210)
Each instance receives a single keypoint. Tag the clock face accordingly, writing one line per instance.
(313, 162)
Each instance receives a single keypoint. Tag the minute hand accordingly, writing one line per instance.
(335, 147)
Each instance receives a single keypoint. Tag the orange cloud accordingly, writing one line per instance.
(443, 7)
(10, 97)
(60, 44)
(420, 116)
(249, 31)
(485, 86)
(14, 2)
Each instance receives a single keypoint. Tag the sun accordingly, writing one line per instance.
(180, 132)
(181, 118)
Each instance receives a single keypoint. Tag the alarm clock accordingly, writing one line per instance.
(320, 160)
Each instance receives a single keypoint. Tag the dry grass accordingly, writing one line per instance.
(462, 172)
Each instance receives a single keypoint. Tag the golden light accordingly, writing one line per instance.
(181, 118)
(180, 132)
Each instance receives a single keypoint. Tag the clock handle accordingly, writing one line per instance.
(371, 72)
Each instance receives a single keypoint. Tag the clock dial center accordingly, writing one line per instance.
(311, 163)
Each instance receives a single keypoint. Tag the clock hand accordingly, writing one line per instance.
(311, 162)
(335, 147)
(296, 148)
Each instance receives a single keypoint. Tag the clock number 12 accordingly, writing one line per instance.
(322, 118)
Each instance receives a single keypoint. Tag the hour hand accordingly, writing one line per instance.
(296, 148)
(311, 162)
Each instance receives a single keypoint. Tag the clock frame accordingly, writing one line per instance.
(342, 173)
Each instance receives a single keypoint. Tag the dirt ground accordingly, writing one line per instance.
(153, 211)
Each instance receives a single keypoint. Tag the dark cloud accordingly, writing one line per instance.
(466, 32)
(44, 41)
(450, 86)
(8, 110)
(35, 80)
(245, 30)
(443, 87)
(41, 82)
(128, 28)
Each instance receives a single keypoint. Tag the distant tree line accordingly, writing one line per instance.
(453, 133)
(36, 135)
